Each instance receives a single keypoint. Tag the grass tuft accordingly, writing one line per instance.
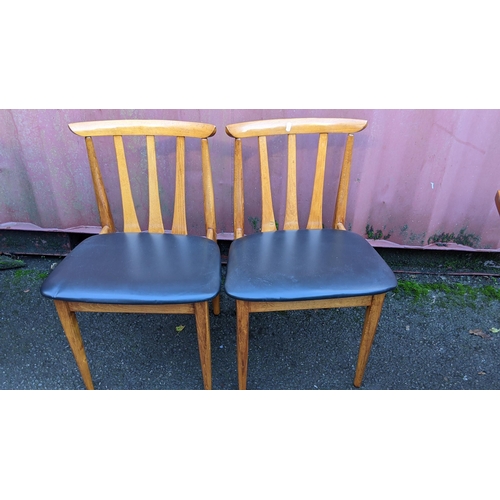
(458, 293)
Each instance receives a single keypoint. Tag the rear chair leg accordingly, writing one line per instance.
(203, 329)
(216, 305)
(242, 330)
(72, 331)
(372, 317)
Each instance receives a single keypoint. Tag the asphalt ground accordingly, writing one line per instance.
(424, 338)
(413, 430)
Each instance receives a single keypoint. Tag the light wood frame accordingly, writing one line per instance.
(149, 129)
(293, 127)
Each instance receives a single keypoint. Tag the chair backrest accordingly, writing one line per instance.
(293, 127)
(150, 129)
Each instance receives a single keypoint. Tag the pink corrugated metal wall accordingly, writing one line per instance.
(419, 177)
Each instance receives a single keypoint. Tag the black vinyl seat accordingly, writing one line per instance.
(305, 265)
(137, 268)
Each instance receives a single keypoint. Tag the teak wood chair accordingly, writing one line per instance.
(134, 271)
(293, 268)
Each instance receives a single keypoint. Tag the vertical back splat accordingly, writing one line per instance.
(268, 219)
(179, 224)
(291, 214)
(316, 213)
(131, 224)
(155, 218)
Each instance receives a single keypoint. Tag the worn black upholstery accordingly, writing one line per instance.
(137, 268)
(305, 265)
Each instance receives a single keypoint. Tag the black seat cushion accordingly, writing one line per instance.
(137, 268)
(305, 265)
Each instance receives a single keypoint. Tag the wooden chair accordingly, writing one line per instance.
(497, 201)
(293, 268)
(138, 271)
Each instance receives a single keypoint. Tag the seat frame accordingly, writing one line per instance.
(148, 128)
(292, 127)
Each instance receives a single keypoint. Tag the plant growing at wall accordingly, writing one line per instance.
(371, 234)
(255, 222)
(462, 238)
(457, 293)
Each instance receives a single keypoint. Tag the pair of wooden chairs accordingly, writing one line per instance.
(158, 271)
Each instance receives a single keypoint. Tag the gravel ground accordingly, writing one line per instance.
(422, 342)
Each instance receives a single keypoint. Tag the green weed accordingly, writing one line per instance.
(371, 234)
(462, 238)
(452, 293)
(30, 273)
(255, 223)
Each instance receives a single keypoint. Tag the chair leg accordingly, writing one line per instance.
(203, 329)
(369, 328)
(216, 305)
(242, 330)
(72, 331)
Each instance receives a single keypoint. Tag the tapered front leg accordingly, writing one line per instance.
(242, 330)
(203, 329)
(372, 317)
(72, 331)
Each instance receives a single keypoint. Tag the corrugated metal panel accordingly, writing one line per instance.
(419, 177)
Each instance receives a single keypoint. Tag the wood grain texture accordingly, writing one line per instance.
(295, 126)
(208, 192)
(209, 206)
(315, 220)
(343, 189)
(268, 219)
(150, 128)
(132, 308)
(130, 222)
(216, 305)
(143, 127)
(103, 207)
(155, 217)
(238, 191)
(179, 223)
(72, 331)
(291, 212)
(203, 331)
(242, 331)
(301, 305)
(372, 317)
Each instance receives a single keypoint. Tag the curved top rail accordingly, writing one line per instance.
(283, 126)
(143, 127)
